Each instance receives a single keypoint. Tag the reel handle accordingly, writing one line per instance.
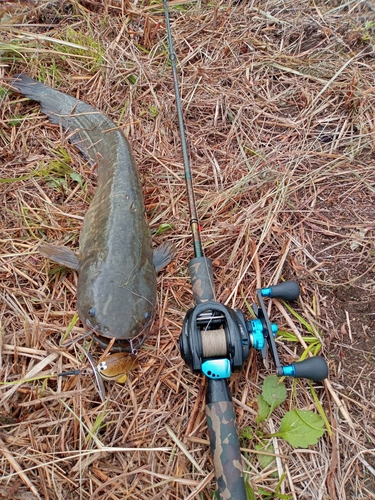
(314, 368)
(289, 290)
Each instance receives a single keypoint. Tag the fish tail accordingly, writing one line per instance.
(84, 123)
(53, 103)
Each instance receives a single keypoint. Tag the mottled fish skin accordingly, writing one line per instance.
(116, 290)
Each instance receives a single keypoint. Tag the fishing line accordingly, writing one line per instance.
(73, 341)
(194, 222)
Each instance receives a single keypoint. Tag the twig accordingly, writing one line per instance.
(13, 463)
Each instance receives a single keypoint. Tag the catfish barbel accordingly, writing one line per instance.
(116, 266)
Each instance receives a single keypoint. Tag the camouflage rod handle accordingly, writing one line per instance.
(225, 445)
(200, 270)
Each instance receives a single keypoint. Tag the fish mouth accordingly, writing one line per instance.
(121, 345)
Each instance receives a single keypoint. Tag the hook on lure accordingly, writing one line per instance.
(112, 367)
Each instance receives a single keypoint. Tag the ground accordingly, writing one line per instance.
(278, 101)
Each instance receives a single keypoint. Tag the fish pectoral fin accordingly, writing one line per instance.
(62, 255)
(163, 255)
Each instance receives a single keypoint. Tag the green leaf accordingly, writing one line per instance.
(14, 179)
(265, 494)
(278, 495)
(153, 111)
(273, 392)
(250, 495)
(98, 424)
(69, 328)
(248, 305)
(320, 410)
(264, 409)
(247, 433)
(303, 322)
(301, 428)
(132, 79)
(13, 122)
(57, 183)
(76, 177)
(265, 460)
(163, 227)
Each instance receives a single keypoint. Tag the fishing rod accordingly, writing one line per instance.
(216, 339)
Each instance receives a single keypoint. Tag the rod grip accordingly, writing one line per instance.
(225, 445)
(200, 270)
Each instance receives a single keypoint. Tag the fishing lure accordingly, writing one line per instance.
(115, 367)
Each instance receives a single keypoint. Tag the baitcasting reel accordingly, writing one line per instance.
(216, 339)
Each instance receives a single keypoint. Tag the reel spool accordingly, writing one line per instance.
(214, 340)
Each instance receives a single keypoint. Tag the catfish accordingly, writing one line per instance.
(116, 265)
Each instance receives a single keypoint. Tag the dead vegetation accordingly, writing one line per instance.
(279, 104)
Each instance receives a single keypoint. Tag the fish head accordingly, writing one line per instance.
(117, 308)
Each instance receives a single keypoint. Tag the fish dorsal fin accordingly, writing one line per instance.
(62, 255)
(163, 255)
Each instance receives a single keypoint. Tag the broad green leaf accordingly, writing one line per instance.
(273, 391)
(58, 182)
(301, 428)
(265, 460)
(263, 408)
(76, 177)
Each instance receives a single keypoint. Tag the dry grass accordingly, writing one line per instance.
(279, 103)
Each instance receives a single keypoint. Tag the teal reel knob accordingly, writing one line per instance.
(256, 332)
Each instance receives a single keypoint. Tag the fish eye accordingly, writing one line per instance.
(147, 315)
(91, 311)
